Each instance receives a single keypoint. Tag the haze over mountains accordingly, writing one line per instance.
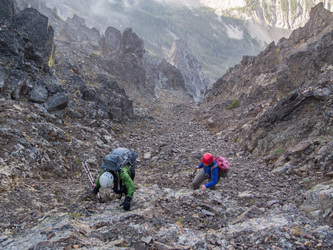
(218, 33)
(218, 42)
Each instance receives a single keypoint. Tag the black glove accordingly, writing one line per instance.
(127, 203)
(95, 190)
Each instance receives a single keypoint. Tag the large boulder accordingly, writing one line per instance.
(7, 11)
(319, 201)
(59, 101)
(75, 30)
(112, 39)
(35, 30)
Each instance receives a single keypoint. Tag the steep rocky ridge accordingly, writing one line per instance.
(27, 48)
(46, 200)
(297, 63)
(26, 69)
(123, 56)
(279, 104)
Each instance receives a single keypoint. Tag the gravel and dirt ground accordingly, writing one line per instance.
(252, 208)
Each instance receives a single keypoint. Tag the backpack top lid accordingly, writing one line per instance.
(118, 158)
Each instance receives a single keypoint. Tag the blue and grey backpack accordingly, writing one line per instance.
(119, 158)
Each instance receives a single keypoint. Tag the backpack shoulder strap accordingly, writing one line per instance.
(213, 167)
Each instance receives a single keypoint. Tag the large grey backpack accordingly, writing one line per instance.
(119, 158)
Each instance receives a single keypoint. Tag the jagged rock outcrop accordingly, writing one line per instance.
(8, 11)
(142, 75)
(127, 64)
(75, 30)
(122, 56)
(171, 77)
(131, 43)
(80, 53)
(196, 82)
(53, 9)
(28, 45)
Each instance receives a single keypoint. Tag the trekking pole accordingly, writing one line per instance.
(86, 169)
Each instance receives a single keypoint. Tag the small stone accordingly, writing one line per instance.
(303, 169)
(308, 243)
(146, 240)
(329, 174)
(147, 156)
(205, 212)
(246, 194)
(271, 203)
(50, 235)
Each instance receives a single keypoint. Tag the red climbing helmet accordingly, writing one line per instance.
(207, 159)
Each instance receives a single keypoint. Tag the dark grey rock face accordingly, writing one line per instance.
(172, 77)
(26, 34)
(75, 30)
(196, 82)
(37, 35)
(26, 52)
(7, 11)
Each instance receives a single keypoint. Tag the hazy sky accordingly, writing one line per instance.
(190, 3)
(98, 8)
